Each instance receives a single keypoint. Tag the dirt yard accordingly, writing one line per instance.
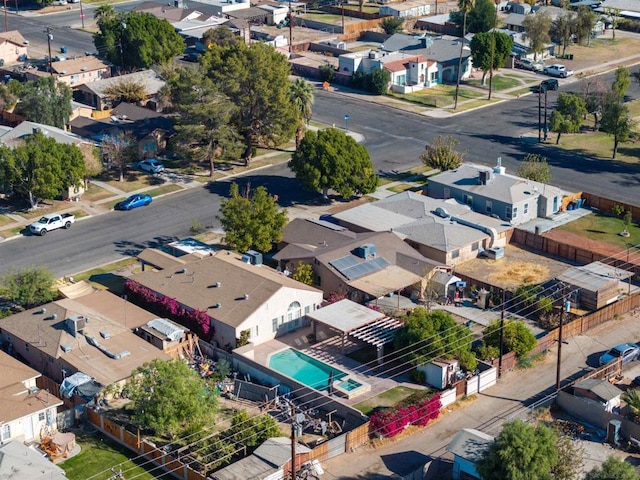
(517, 267)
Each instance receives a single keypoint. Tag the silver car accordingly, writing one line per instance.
(527, 64)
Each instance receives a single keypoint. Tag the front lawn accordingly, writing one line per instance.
(499, 83)
(603, 228)
(100, 454)
(437, 96)
(385, 399)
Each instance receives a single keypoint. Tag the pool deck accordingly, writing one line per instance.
(328, 350)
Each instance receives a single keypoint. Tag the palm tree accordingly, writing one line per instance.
(632, 398)
(301, 95)
(465, 6)
(104, 12)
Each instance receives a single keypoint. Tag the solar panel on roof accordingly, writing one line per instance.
(343, 263)
(364, 268)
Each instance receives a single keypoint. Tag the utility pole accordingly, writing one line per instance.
(81, 14)
(49, 33)
(293, 442)
(545, 127)
(504, 296)
(6, 18)
(540, 113)
(124, 27)
(290, 30)
(559, 362)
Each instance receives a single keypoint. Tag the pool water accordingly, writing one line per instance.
(305, 369)
(349, 384)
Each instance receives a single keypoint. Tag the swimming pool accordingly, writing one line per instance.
(305, 369)
(349, 384)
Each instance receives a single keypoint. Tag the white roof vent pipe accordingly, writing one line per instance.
(499, 169)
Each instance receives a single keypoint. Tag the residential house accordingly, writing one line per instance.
(522, 46)
(94, 93)
(193, 30)
(468, 446)
(519, 8)
(236, 295)
(493, 192)
(91, 334)
(74, 71)
(168, 12)
(25, 410)
(595, 285)
(514, 20)
(440, 23)
(364, 267)
(17, 460)
(444, 51)
(150, 129)
(600, 391)
(447, 232)
(16, 135)
(406, 9)
(13, 47)
(628, 8)
(410, 73)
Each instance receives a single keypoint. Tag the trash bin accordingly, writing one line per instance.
(571, 56)
(63, 49)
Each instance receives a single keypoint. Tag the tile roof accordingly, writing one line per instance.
(403, 64)
(196, 286)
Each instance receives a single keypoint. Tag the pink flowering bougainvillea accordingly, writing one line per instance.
(415, 410)
(196, 320)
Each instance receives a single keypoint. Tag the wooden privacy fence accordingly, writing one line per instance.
(606, 205)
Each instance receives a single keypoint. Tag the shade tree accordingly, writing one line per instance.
(536, 29)
(441, 153)
(568, 115)
(28, 286)
(490, 51)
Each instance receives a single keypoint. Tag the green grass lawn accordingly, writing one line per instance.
(4, 220)
(401, 187)
(323, 17)
(371, 8)
(438, 96)
(500, 82)
(385, 399)
(103, 272)
(603, 228)
(99, 454)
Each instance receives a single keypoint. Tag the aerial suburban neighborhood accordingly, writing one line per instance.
(278, 239)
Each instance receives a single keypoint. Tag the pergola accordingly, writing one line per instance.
(362, 323)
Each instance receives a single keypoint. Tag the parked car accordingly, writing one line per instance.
(59, 3)
(152, 166)
(548, 84)
(50, 222)
(557, 70)
(527, 64)
(628, 351)
(134, 201)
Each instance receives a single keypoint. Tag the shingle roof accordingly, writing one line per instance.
(13, 36)
(470, 444)
(74, 66)
(19, 461)
(26, 128)
(197, 286)
(151, 80)
(602, 388)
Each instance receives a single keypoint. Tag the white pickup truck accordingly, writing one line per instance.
(51, 222)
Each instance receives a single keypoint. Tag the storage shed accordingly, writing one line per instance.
(599, 390)
(596, 284)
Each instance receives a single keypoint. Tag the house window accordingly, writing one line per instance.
(455, 254)
(257, 334)
(474, 246)
(507, 213)
(307, 309)
(5, 433)
(294, 311)
(515, 212)
(434, 76)
(468, 199)
(401, 79)
(525, 209)
(26, 346)
(274, 324)
(41, 416)
(489, 206)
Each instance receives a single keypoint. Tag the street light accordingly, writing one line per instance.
(82, 14)
(346, 123)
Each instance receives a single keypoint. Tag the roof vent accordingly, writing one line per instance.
(246, 296)
(43, 311)
(84, 69)
(184, 270)
(33, 390)
(54, 316)
(218, 284)
(365, 251)
(217, 305)
(105, 335)
(65, 348)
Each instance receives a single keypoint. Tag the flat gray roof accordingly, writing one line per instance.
(345, 315)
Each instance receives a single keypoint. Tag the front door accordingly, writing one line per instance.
(28, 429)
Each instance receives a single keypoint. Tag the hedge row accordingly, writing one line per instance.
(418, 409)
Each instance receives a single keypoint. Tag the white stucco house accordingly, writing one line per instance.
(406, 9)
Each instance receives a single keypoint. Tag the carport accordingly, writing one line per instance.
(362, 323)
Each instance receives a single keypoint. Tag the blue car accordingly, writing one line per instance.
(628, 351)
(134, 201)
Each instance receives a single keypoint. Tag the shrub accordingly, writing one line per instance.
(417, 409)
(327, 73)
(417, 376)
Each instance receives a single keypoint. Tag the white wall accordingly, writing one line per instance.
(19, 429)
(277, 307)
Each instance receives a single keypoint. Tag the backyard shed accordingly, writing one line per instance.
(440, 373)
(599, 390)
(596, 284)
(467, 446)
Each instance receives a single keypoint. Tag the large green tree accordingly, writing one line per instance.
(433, 334)
(516, 336)
(464, 6)
(204, 127)
(301, 95)
(252, 219)
(616, 121)
(28, 287)
(44, 101)
(613, 468)
(585, 21)
(621, 82)
(536, 29)
(330, 159)
(483, 53)
(568, 115)
(255, 78)
(119, 149)
(563, 28)
(135, 39)
(41, 168)
(169, 397)
(520, 452)
(481, 17)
